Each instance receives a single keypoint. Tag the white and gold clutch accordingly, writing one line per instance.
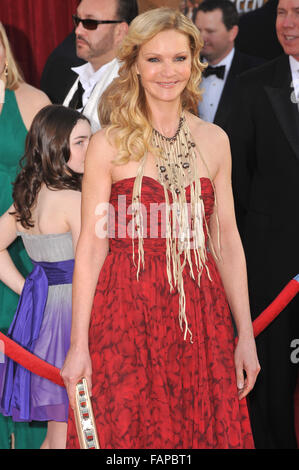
(85, 422)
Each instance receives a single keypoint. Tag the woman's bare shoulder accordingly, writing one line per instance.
(205, 130)
(59, 198)
(102, 137)
(30, 101)
(212, 143)
(29, 92)
(101, 150)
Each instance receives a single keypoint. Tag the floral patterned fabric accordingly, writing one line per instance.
(152, 389)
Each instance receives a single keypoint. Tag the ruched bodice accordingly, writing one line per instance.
(153, 206)
(49, 247)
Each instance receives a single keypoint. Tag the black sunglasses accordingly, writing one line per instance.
(92, 24)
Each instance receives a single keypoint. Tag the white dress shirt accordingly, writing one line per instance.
(212, 88)
(88, 78)
(294, 64)
(94, 84)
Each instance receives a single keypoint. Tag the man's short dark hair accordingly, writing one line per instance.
(229, 11)
(127, 10)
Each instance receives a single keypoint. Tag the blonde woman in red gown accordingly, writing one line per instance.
(154, 288)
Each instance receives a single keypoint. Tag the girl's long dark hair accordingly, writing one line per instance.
(47, 151)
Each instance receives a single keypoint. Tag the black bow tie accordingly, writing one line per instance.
(218, 71)
(76, 101)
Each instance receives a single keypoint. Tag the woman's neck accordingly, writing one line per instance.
(166, 123)
(166, 119)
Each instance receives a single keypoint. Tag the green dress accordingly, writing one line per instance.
(12, 139)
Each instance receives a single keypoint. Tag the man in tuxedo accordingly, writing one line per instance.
(264, 134)
(217, 21)
(100, 26)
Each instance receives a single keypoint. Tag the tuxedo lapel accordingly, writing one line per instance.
(225, 101)
(287, 112)
(90, 110)
(71, 92)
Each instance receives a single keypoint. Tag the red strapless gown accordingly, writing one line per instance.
(152, 389)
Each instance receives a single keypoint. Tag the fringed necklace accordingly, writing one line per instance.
(177, 169)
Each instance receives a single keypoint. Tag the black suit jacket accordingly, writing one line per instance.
(240, 63)
(257, 34)
(264, 135)
(57, 77)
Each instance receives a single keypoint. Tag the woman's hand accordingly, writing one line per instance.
(246, 360)
(76, 366)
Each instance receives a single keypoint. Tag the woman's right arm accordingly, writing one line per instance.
(9, 274)
(90, 255)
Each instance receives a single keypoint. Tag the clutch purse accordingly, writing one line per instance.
(85, 422)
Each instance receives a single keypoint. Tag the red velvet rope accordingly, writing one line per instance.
(39, 367)
(30, 361)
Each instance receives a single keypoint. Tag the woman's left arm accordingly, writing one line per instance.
(232, 268)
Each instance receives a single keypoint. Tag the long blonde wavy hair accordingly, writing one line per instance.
(123, 108)
(14, 77)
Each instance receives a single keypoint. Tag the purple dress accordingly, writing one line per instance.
(42, 325)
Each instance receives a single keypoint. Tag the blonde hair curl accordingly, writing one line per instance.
(15, 76)
(122, 108)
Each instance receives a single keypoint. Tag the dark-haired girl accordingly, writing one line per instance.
(46, 214)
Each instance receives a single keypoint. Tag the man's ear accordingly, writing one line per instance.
(120, 32)
(234, 32)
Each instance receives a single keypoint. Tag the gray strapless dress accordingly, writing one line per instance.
(47, 401)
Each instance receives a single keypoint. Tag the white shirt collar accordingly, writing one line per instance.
(88, 77)
(294, 65)
(227, 61)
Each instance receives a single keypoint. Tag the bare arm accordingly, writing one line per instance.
(232, 268)
(90, 255)
(9, 274)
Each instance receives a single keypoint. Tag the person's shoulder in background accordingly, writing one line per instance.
(257, 34)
